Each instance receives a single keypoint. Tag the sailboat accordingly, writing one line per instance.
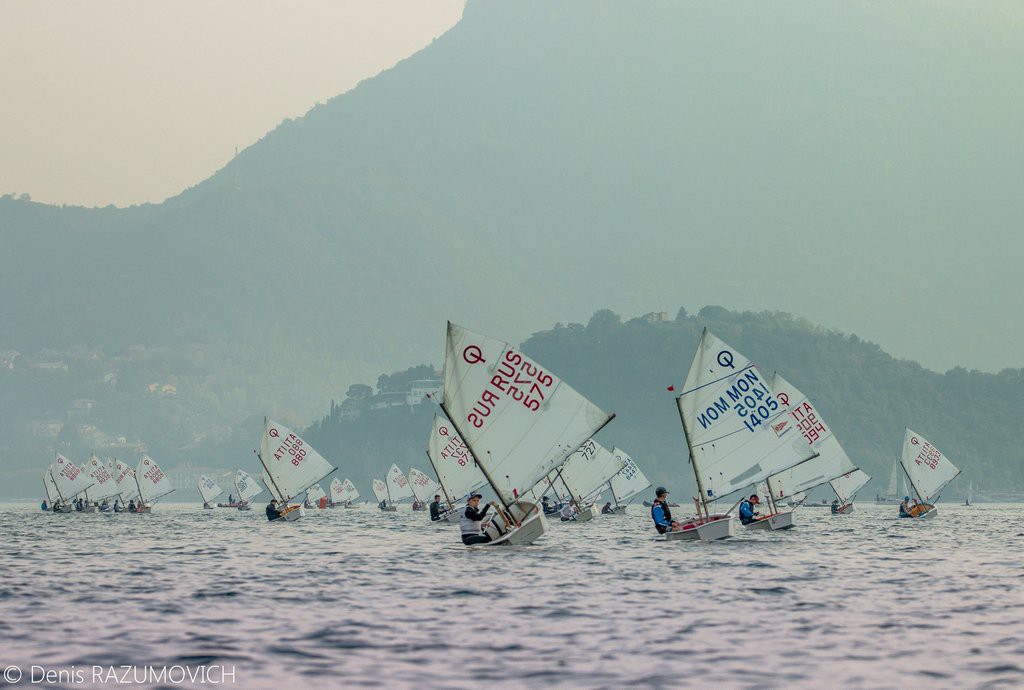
(423, 487)
(53, 497)
(846, 488)
(315, 496)
(454, 466)
(832, 461)
(970, 494)
(343, 493)
(71, 481)
(291, 465)
(518, 421)
(247, 489)
(398, 485)
(209, 490)
(629, 482)
(585, 475)
(928, 471)
(383, 494)
(152, 483)
(731, 424)
(103, 487)
(124, 479)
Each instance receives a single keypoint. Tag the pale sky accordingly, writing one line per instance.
(129, 101)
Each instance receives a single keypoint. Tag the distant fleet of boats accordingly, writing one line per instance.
(513, 428)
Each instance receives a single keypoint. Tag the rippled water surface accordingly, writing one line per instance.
(350, 597)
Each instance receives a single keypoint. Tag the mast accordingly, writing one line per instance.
(693, 460)
(267, 473)
(612, 489)
(142, 499)
(56, 485)
(469, 447)
(572, 496)
(447, 497)
(387, 487)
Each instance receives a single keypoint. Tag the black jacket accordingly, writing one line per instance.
(435, 511)
(273, 513)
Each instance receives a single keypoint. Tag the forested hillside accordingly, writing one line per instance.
(867, 396)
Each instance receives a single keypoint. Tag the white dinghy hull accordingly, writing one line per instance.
(718, 527)
(532, 526)
(587, 514)
(618, 510)
(389, 509)
(297, 514)
(844, 510)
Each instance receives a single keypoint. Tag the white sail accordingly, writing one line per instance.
(398, 484)
(246, 486)
(337, 491)
(349, 488)
(208, 488)
(380, 490)
(589, 469)
(519, 420)
(452, 461)
(124, 478)
(832, 460)
(732, 422)
(893, 487)
(423, 487)
(153, 483)
(104, 485)
(69, 478)
(291, 464)
(630, 480)
(927, 468)
(315, 493)
(847, 486)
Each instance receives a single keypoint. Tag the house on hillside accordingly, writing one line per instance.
(383, 401)
(419, 390)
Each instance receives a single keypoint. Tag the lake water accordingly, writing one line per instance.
(357, 597)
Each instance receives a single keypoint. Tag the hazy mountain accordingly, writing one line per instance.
(856, 162)
(864, 394)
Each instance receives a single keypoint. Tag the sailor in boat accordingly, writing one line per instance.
(472, 522)
(567, 513)
(117, 506)
(435, 508)
(906, 509)
(660, 512)
(272, 512)
(835, 506)
(607, 509)
(43, 506)
(548, 509)
(131, 506)
(748, 512)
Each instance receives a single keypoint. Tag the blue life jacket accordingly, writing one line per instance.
(661, 523)
(746, 511)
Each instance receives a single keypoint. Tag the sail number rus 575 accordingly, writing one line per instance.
(517, 378)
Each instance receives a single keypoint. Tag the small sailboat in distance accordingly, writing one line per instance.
(832, 460)
(730, 419)
(970, 494)
(292, 466)
(53, 497)
(629, 482)
(127, 487)
(70, 480)
(104, 486)
(398, 485)
(315, 496)
(846, 488)
(247, 488)
(458, 474)
(209, 490)
(585, 474)
(423, 487)
(928, 471)
(383, 494)
(518, 421)
(152, 482)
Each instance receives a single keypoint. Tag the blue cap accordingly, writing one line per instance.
(906, 498)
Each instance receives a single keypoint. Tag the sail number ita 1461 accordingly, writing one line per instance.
(515, 377)
(291, 447)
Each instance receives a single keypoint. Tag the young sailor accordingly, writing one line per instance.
(567, 513)
(905, 507)
(747, 512)
(607, 509)
(471, 523)
(660, 512)
(547, 507)
(435, 508)
(272, 512)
